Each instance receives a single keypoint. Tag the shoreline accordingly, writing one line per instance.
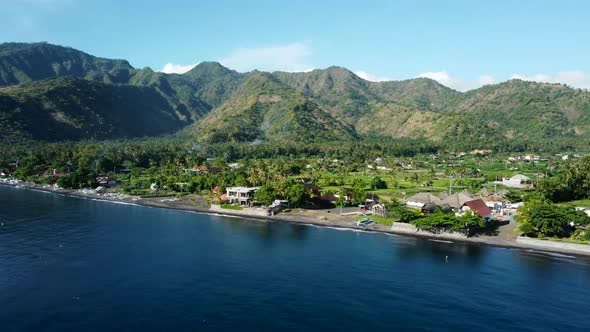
(300, 218)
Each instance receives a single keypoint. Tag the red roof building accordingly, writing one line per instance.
(478, 206)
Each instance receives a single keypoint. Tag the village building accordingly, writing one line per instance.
(420, 199)
(243, 196)
(478, 207)
(483, 192)
(379, 210)
(106, 181)
(517, 181)
(481, 152)
(457, 200)
(203, 169)
(54, 173)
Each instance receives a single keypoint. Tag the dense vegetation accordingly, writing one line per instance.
(541, 219)
(572, 184)
(75, 109)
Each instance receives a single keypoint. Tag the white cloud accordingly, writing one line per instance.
(445, 79)
(575, 78)
(292, 57)
(172, 68)
(486, 80)
(370, 77)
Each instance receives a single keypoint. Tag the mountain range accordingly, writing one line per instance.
(51, 93)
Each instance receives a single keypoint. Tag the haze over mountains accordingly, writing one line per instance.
(49, 92)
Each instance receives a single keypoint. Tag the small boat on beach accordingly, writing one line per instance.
(365, 222)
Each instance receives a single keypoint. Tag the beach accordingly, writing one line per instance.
(505, 237)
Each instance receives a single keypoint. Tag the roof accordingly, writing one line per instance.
(429, 207)
(457, 200)
(443, 195)
(242, 189)
(520, 177)
(483, 192)
(496, 198)
(424, 198)
(466, 192)
(479, 207)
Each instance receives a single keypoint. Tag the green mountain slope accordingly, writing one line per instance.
(520, 109)
(323, 104)
(265, 109)
(212, 82)
(72, 108)
(337, 90)
(22, 63)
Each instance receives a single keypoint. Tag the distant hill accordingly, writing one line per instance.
(265, 109)
(75, 109)
(78, 93)
(22, 63)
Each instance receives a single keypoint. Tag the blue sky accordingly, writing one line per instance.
(462, 44)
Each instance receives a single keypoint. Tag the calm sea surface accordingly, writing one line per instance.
(70, 264)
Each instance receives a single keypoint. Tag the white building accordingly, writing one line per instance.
(243, 196)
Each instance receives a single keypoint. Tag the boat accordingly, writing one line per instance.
(365, 222)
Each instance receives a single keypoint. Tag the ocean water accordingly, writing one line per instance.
(69, 264)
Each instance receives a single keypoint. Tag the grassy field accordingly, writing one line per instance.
(230, 207)
(581, 203)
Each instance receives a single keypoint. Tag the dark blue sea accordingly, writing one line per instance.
(69, 264)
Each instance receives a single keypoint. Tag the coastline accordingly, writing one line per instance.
(302, 217)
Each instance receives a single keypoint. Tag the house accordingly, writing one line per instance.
(457, 200)
(54, 173)
(234, 165)
(443, 195)
(483, 192)
(105, 181)
(243, 196)
(532, 157)
(479, 207)
(379, 210)
(517, 181)
(420, 199)
(481, 152)
(203, 169)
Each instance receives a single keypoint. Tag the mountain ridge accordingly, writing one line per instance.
(334, 101)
